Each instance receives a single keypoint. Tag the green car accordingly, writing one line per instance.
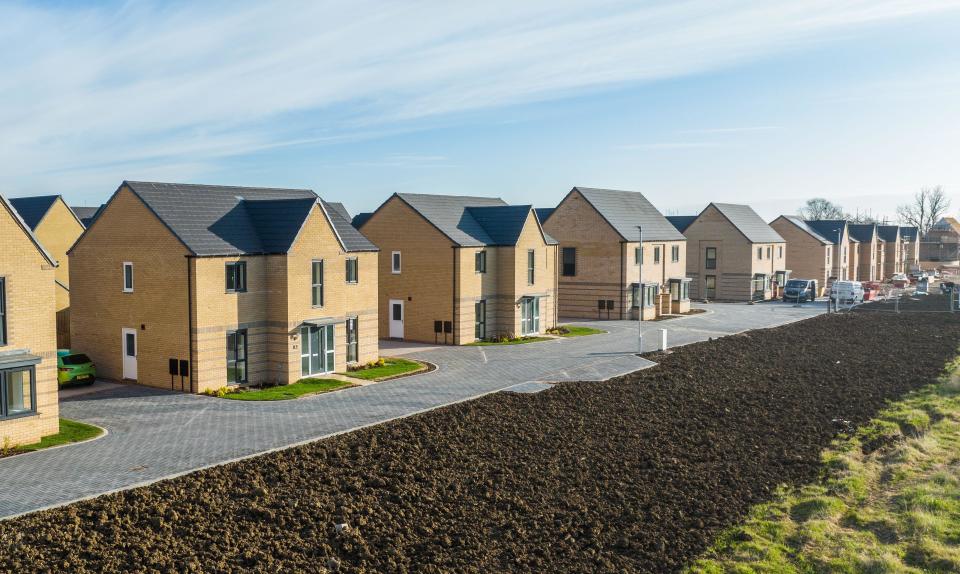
(74, 368)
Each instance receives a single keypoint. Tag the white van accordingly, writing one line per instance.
(847, 291)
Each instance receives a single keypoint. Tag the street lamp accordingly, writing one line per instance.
(642, 294)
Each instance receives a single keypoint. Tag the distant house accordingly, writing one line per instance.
(870, 253)
(57, 228)
(86, 215)
(198, 287)
(910, 238)
(893, 250)
(28, 346)
(845, 265)
(601, 254)
(942, 242)
(810, 254)
(732, 254)
(457, 269)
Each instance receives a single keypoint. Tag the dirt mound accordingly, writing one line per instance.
(637, 474)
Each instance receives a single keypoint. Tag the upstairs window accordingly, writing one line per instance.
(127, 277)
(236, 276)
(316, 283)
(780, 252)
(480, 262)
(674, 253)
(656, 254)
(531, 258)
(769, 252)
(710, 258)
(395, 262)
(569, 261)
(759, 253)
(638, 256)
(353, 270)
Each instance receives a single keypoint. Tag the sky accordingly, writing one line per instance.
(761, 102)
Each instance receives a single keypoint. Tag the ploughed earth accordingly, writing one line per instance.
(637, 474)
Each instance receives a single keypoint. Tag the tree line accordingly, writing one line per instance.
(924, 210)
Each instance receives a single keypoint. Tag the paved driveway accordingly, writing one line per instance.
(155, 434)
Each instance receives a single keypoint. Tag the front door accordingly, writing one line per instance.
(396, 318)
(529, 315)
(129, 344)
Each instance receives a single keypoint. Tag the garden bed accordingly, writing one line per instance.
(637, 474)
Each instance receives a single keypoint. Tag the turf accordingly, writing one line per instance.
(70, 431)
(296, 390)
(573, 331)
(392, 367)
(517, 341)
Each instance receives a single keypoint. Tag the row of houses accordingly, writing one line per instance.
(194, 287)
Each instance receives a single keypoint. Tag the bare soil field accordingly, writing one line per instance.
(637, 474)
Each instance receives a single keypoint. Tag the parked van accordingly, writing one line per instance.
(800, 290)
(847, 291)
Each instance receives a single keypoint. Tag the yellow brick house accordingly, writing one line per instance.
(810, 255)
(457, 269)
(600, 256)
(57, 228)
(28, 347)
(196, 287)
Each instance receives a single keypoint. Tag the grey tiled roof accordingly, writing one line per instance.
(681, 222)
(32, 209)
(804, 226)
(449, 214)
(625, 210)
(339, 208)
(544, 213)
(909, 233)
(350, 237)
(504, 223)
(828, 228)
(863, 232)
(87, 215)
(228, 220)
(751, 225)
(361, 218)
(887, 232)
(27, 229)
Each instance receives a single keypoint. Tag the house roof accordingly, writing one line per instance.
(862, 232)
(947, 224)
(681, 222)
(909, 233)
(746, 220)
(888, 232)
(804, 226)
(339, 208)
(86, 215)
(504, 223)
(32, 209)
(27, 229)
(625, 210)
(544, 213)
(350, 237)
(361, 218)
(227, 220)
(828, 227)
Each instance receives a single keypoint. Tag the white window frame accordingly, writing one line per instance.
(127, 265)
(396, 262)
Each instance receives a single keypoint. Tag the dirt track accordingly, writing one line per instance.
(632, 475)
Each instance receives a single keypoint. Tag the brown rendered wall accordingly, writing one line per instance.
(157, 308)
(806, 257)
(29, 285)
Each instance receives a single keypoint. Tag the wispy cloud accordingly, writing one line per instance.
(731, 130)
(668, 145)
(141, 85)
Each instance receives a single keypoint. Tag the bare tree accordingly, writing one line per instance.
(820, 208)
(862, 217)
(927, 207)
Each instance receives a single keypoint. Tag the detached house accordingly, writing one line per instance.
(196, 287)
(893, 250)
(810, 254)
(458, 269)
(28, 345)
(601, 254)
(942, 242)
(845, 263)
(910, 237)
(57, 228)
(869, 251)
(732, 254)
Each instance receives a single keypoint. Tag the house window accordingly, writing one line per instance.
(316, 349)
(844, 251)
(759, 253)
(780, 252)
(3, 311)
(395, 262)
(710, 259)
(352, 346)
(650, 294)
(480, 321)
(236, 357)
(18, 392)
(316, 283)
(638, 256)
(679, 289)
(353, 269)
(480, 262)
(236, 273)
(529, 315)
(531, 258)
(656, 254)
(769, 252)
(127, 277)
(829, 254)
(710, 287)
(569, 261)
(674, 253)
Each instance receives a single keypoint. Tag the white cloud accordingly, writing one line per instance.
(145, 85)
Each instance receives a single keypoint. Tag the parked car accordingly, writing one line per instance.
(900, 280)
(74, 368)
(947, 287)
(800, 290)
(847, 291)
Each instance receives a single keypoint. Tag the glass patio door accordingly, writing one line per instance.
(316, 349)
(529, 315)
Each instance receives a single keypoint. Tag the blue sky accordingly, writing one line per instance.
(760, 102)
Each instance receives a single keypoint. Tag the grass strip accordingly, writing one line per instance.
(391, 368)
(70, 432)
(301, 388)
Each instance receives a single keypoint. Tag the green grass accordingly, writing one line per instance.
(70, 431)
(296, 390)
(517, 341)
(392, 367)
(573, 331)
(888, 500)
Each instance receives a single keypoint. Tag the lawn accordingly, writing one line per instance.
(391, 368)
(889, 500)
(515, 341)
(70, 431)
(574, 331)
(301, 388)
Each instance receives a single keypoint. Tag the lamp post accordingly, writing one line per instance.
(833, 288)
(640, 291)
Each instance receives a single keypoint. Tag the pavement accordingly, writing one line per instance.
(155, 434)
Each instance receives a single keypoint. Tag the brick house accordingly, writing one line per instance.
(196, 287)
(732, 254)
(810, 254)
(600, 256)
(57, 228)
(870, 253)
(29, 409)
(458, 269)
(86, 215)
(845, 265)
(942, 242)
(893, 250)
(910, 237)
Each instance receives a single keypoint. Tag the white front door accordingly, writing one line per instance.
(129, 346)
(396, 318)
